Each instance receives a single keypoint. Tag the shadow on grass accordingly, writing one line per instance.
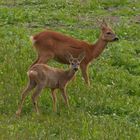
(100, 110)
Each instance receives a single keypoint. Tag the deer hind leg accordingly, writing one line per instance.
(34, 97)
(34, 62)
(26, 91)
(43, 58)
(64, 94)
(54, 99)
(84, 70)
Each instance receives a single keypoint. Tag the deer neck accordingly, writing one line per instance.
(70, 73)
(98, 47)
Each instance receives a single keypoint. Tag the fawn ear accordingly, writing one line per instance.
(68, 56)
(103, 24)
(81, 56)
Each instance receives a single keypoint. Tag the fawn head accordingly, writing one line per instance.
(107, 33)
(75, 62)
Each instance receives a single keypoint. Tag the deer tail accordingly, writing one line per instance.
(33, 40)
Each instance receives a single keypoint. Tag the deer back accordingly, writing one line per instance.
(47, 76)
(58, 44)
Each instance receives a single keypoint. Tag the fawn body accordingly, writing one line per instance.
(50, 44)
(42, 76)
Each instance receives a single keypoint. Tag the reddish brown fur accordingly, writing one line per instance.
(50, 44)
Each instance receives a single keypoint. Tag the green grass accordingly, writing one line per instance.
(109, 109)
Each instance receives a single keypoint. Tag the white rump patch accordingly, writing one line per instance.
(32, 72)
(32, 39)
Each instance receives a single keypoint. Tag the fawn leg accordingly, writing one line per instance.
(64, 94)
(34, 97)
(54, 99)
(26, 91)
(84, 69)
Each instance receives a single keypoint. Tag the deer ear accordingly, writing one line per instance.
(103, 24)
(81, 56)
(68, 56)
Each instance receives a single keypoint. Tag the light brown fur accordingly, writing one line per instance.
(42, 76)
(50, 44)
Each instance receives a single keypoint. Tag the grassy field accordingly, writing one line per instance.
(107, 110)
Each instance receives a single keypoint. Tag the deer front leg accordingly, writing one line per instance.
(64, 94)
(84, 70)
(54, 99)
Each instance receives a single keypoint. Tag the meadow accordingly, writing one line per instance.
(107, 110)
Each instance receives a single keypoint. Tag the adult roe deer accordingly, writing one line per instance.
(50, 44)
(41, 76)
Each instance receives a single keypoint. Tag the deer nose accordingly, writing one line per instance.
(116, 39)
(75, 69)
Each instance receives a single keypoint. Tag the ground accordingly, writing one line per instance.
(107, 110)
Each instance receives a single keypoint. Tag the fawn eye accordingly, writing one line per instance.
(108, 33)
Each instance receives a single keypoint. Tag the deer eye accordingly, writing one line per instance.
(108, 33)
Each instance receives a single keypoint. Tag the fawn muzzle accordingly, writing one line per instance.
(75, 69)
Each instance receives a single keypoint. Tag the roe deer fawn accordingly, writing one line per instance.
(50, 44)
(41, 76)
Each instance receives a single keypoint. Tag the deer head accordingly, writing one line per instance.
(75, 62)
(107, 33)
